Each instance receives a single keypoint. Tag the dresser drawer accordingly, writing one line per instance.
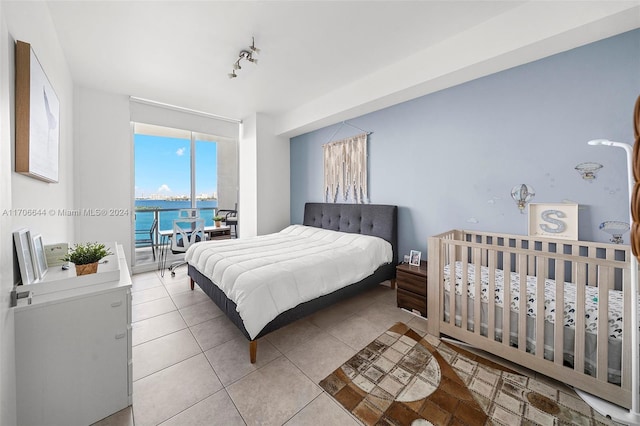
(413, 283)
(411, 301)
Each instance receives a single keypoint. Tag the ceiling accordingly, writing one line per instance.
(321, 61)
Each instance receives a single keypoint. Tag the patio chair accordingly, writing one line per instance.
(231, 219)
(150, 241)
(186, 232)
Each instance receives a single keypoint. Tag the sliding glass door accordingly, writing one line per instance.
(177, 169)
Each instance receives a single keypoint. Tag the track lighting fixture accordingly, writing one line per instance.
(246, 54)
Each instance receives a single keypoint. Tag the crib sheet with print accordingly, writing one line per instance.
(569, 313)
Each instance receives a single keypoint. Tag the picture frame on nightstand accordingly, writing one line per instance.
(414, 257)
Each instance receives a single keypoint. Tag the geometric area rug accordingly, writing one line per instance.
(402, 378)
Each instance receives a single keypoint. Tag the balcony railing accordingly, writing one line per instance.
(144, 221)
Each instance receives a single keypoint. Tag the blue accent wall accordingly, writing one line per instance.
(449, 159)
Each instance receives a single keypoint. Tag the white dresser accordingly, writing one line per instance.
(73, 347)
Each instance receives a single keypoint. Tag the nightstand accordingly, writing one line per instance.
(412, 287)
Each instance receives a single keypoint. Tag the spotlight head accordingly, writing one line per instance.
(236, 65)
(253, 46)
(233, 74)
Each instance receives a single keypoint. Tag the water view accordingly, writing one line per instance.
(168, 211)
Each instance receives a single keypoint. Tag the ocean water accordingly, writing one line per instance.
(144, 219)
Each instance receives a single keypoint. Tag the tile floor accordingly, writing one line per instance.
(191, 366)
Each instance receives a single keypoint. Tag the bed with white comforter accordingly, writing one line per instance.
(268, 275)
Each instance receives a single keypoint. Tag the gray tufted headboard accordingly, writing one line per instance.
(369, 219)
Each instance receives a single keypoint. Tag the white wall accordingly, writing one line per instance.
(248, 181)
(227, 152)
(273, 170)
(29, 22)
(7, 336)
(264, 178)
(104, 159)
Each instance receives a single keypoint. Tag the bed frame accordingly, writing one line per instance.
(606, 266)
(368, 219)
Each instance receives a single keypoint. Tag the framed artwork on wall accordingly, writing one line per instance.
(22, 241)
(554, 220)
(37, 118)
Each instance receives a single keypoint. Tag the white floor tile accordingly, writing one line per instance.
(323, 411)
(272, 394)
(200, 312)
(319, 357)
(356, 332)
(158, 326)
(163, 352)
(218, 409)
(162, 395)
(148, 295)
(214, 332)
(230, 360)
(188, 298)
(293, 335)
(151, 309)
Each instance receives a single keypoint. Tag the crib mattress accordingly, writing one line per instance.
(569, 309)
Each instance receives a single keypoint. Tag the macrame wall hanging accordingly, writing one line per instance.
(345, 168)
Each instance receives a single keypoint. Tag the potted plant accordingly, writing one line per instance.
(86, 257)
(218, 220)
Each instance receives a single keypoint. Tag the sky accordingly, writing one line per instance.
(162, 166)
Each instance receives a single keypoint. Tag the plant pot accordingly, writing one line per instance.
(89, 268)
(218, 223)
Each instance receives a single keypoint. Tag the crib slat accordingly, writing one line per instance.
(558, 341)
(531, 264)
(605, 280)
(484, 241)
(522, 311)
(506, 299)
(610, 254)
(464, 305)
(491, 297)
(452, 284)
(581, 282)
(574, 268)
(592, 267)
(540, 281)
(627, 298)
(477, 305)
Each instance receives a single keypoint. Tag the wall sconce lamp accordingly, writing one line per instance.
(247, 55)
(588, 170)
(521, 194)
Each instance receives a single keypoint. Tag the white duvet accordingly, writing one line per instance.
(270, 274)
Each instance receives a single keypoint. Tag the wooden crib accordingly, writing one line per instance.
(583, 278)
